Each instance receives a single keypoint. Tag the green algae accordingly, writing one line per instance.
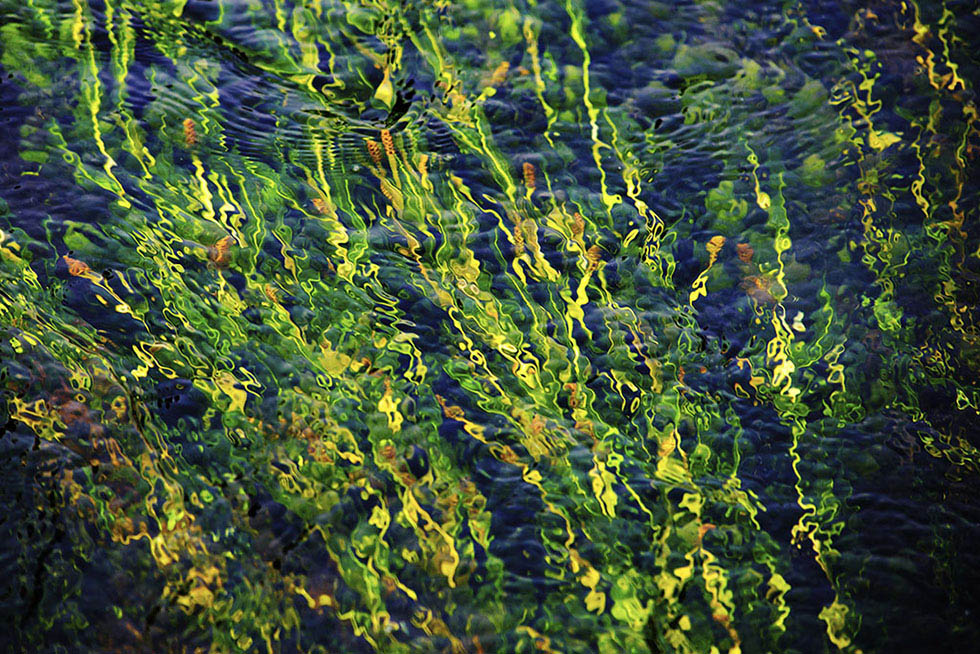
(405, 328)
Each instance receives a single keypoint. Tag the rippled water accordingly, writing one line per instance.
(583, 326)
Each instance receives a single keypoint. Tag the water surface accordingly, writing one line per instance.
(583, 326)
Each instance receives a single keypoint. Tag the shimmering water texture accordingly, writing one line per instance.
(489, 327)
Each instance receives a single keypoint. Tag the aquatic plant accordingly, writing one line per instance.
(487, 327)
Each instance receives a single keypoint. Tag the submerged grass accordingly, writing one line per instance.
(488, 327)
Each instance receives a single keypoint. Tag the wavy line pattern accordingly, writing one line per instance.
(370, 326)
